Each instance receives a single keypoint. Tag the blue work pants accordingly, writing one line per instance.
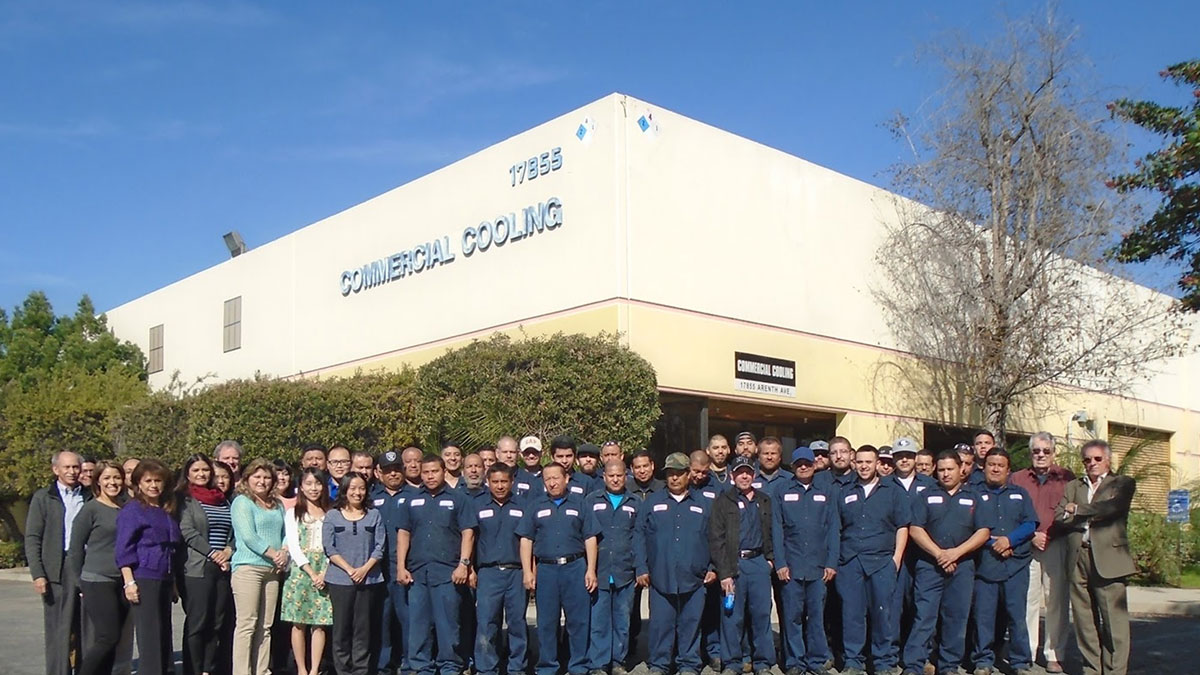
(500, 596)
(940, 596)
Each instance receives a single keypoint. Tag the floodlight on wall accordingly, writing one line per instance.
(1081, 417)
(235, 243)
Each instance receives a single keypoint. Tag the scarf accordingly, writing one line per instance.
(206, 495)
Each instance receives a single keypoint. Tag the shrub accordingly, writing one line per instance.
(12, 554)
(1155, 545)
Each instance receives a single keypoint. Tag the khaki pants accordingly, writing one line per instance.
(1050, 587)
(1101, 618)
(255, 597)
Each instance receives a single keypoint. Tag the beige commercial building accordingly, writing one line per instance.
(742, 273)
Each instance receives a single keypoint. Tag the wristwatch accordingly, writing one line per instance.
(465, 562)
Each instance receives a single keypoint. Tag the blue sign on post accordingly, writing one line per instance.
(1179, 504)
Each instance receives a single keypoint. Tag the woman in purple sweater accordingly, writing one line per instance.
(147, 551)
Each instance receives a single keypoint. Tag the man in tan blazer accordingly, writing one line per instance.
(1095, 508)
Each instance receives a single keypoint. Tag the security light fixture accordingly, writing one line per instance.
(235, 243)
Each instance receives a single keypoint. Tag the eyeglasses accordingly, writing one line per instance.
(608, 443)
(339, 462)
(1041, 451)
(1093, 460)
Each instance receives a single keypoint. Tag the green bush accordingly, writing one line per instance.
(12, 554)
(1155, 545)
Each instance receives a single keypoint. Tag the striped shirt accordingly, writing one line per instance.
(219, 524)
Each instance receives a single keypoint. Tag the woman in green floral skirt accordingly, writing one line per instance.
(305, 602)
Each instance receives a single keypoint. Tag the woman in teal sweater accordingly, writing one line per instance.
(259, 559)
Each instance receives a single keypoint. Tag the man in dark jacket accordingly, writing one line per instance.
(740, 538)
(47, 537)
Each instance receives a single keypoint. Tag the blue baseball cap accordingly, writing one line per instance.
(803, 454)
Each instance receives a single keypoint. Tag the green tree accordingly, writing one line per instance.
(587, 386)
(1172, 171)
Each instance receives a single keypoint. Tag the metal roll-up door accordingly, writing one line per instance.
(1149, 463)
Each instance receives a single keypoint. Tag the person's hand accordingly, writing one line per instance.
(1001, 545)
(897, 562)
(280, 558)
(41, 585)
(643, 581)
(709, 577)
(784, 574)
(404, 577)
(1040, 540)
(460, 574)
(530, 579)
(727, 585)
(131, 593)
(358, 574)
(950, 568)
(944, 557)
(828, 575)
(589, 581)
(224, 567)
(220, 557)
(174, 594)
(1069, 509)
(473, 579)
(1007, 553)
(318, 580)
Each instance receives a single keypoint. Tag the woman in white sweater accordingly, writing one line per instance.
(305, 603)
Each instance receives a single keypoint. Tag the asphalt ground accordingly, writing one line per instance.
(1162, 645)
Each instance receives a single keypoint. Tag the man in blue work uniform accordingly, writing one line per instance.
(500, 594)
(560, 537)
(562, 453)
(770, 477)
(806, 536)
(740, 539)
(642, 486)
(434, 544)
(1003, 572)
(904, 453)
(703, 485)
(389, 497)
(587, 455)
(875, 516)
(950, 523)
(527, 480)
(972, 467)
(673, 561)
(615, 512)
(718, 453)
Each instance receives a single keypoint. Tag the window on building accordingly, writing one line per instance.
(233, 324)
(1145, 455)
(156, 349)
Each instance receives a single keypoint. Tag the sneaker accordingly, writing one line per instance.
(1053, 667)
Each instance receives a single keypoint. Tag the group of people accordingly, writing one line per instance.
(415, 562)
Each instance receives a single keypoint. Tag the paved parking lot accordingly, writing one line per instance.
(1160, 644)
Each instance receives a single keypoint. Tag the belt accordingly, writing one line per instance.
(561, 560)
(501, 565)
(748, 553)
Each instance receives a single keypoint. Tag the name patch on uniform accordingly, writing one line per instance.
(818, 498)
(696, 509)
(486, 513)
(709, 494)
(920, 488)
(576, 489)
(447, 502)
(660, 507)
(791, 497)
(401, 500)
(985, 497)
(543, 513)
(571, 512)
(934, 499)
(630, 509)
(378, 502)
(522, 486)
(516, 512)
(741, 505)
(850, 499)
(757, 485)
(418, 502)
(597, 507)
(966, 501)
(1016, 495)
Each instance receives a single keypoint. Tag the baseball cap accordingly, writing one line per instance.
(740, 462)
(819, 447)
(885, 452)
(390, 458)
(904, 446)
(803, 454)
(588, 449)
(744, 436)
(676, 461)
(531, 442)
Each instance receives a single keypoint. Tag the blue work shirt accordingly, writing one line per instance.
(527, 485)
(920, 483)
(721, 478)
(1011, 507)
(435, 523)
(869, 524)
(773, 485)
(750, 525)
(949, 519)
(389, 506)
(617, 525)
(672, 541)
(709, 491)
(497, 541)
(556, 529)
(581, 485)
(807, 532)
(977, 481)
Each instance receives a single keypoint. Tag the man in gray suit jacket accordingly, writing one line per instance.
(1095, 508)
(47, 536)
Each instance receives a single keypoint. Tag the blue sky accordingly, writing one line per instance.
(134, 134)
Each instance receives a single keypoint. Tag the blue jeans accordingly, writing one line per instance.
(610, 626)
(864, 594)
(434, 608)
(753, 598)
(804, 614)
(940, 596)
(675, 627)
(560, 590)
(988, 595)
(500, 592)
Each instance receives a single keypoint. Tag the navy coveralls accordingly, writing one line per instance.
(394, 619)
(672, 547)
(558, 531)
(642, 492)
(435, 523)
(866, 577)
(902, 605)
(807, 540)
(949, 520)
(499, 588)
(710, 620)
(1005, 579)
(613, 600)
(772, 486)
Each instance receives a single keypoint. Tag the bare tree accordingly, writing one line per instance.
(994, 275)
